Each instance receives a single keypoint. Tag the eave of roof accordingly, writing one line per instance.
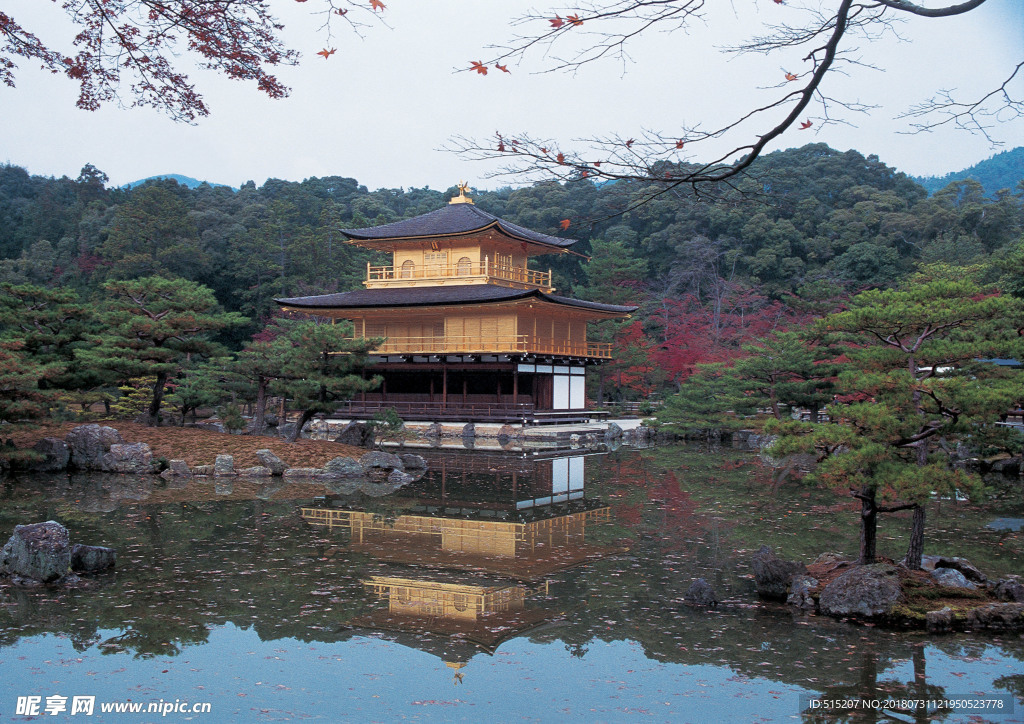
(451, 220)
(468, 294)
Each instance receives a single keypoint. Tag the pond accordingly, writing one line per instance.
(500, 587)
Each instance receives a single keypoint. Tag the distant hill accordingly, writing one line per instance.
(183, 180)
(1003, 171)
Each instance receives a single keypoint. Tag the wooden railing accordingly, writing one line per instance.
(494, 344)
(439, 272)
(453, 409)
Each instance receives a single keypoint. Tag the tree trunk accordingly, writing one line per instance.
(916, 548)
(305, 417)
(153, 414)
(259, 423)
(868, 525)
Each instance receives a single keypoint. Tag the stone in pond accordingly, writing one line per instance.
(39, 551)
(90, 559)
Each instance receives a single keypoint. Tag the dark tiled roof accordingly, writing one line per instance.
(433, 296)
(452, 219)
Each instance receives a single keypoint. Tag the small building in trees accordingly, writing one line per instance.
(471, 332)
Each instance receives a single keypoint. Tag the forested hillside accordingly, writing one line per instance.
(806, 229)
(1003, 171)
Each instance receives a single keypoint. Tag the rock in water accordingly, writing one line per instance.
(133, 458)
(379, 459)
(39, 551)
(90, 559)
(801, 592)
(89, 443)
(867, 591)
(224, 466)
(345, 467)
(256, 471)
(773, 575)
(700, 593)
(268, 459)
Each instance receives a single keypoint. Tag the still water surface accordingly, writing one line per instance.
(500, 587)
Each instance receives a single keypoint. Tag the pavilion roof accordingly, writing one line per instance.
(452, 220)
(440, 296)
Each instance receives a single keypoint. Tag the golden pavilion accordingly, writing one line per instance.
(471, 332)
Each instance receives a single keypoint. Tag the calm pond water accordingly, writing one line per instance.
(500, 587)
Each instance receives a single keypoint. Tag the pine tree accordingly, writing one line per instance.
(152, 326)
(913, 385)
(322, 366)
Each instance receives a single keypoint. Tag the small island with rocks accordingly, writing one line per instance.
(947, 594)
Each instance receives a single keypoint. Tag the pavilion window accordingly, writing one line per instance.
(436, 263)
(464, 266)
(407, 269)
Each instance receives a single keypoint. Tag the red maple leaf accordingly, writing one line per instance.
(377, 4)
(597, 164)
(502, 68)
(556, 22)
(679, 143)
(327, 53)
(479, 67)
(790, 76)
(564, 223)
(630, 142)
(560, 158)
(340, 11)
(805, 125)
(501, 147)
(574, 19)
(543, 150)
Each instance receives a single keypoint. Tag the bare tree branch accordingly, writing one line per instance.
(653, 156)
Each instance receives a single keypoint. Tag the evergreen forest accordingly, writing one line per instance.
(713, 271)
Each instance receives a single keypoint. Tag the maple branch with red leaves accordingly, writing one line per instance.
(135, 43)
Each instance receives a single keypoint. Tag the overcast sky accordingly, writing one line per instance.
(382, 108)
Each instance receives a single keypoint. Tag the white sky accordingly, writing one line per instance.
(381, 109)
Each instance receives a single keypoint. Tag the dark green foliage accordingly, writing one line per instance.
(1002, 171)
(154, 326)
(710, 403)
(320, 366)
(913, 385)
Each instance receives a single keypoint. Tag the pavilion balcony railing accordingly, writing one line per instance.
(494, 344)
(445, 272)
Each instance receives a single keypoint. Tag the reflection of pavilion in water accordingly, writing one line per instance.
(446, 536)
(524, 517)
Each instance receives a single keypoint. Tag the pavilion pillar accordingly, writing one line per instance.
(444, 387)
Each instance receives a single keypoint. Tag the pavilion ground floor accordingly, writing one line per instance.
(477, 388)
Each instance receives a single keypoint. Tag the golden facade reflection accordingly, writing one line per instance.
(465, 557)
